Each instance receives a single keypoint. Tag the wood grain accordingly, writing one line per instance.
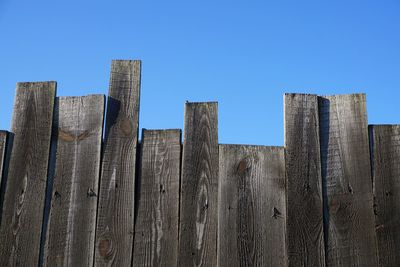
(115, 221)
(156, 227)
(3, 143)
(385, 158)
(304, 184)
(346, 173)
(252, 206)
(78, 128)
(199, 187)
(24, 195)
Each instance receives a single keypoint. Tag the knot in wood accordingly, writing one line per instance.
(91, 193)
(126, 127)
(105, 248)
(242, 167)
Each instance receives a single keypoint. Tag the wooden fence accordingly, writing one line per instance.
(69, 197)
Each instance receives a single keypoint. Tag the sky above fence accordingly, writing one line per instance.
(243, 54)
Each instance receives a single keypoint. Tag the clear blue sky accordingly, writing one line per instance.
(243, 54)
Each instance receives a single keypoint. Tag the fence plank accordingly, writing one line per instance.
(252, 208)
(3, 142)
(304, 184)
(385, 155)
(24, 196)
(346, 174)
(115, 221)
(156, 227)
(199, 186)
(70, 235)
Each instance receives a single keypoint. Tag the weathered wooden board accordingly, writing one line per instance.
(346, 173)
(385, 155)
(23, 206)
(304, 185)
(252, 206)
(156, 227)
(199, 187)
(3, 143)
(78, 124)
(115, 220)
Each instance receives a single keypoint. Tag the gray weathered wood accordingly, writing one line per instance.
(346, 173)
(199, 187)
(24, 197)
(3, 143)
(115, 220)
(78, 124)
(156, 227)
(304, 185)
(385, 155)
(252, 206)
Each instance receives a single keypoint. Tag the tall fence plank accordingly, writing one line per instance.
(24, 196)
(252, 206)
(346, 174)
(199, 186)
(304, 184)
(78, 124)
(115, 221)
(3, 142)
(385, 155)
(156, 227)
